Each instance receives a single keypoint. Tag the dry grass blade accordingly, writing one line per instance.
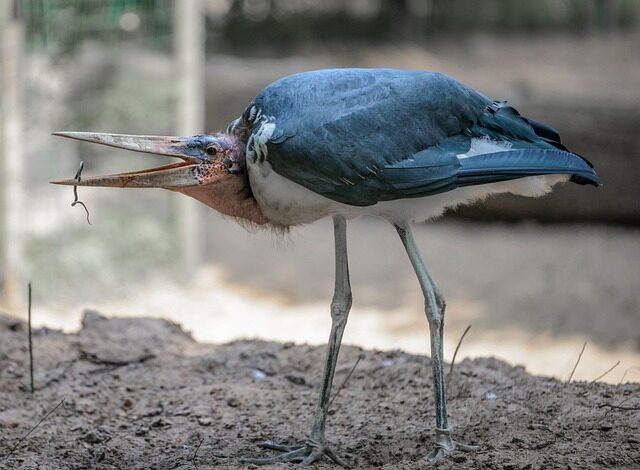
(195, 454)
(455, 353)
(30, 343)
(605, 373)
(22, 439)
(619, 407)
(624, 376)
(75, 191)
(346, 379)
(577, 362)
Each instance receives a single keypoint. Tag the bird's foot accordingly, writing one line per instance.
(446, 446)
(305, 454)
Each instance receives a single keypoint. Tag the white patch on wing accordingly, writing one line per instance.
(482, 145)
(257, 143)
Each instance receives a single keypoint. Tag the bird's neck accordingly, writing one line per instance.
(229, 196)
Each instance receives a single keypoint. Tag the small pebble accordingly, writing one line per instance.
(490, 396)
(92, 437)
(182, 411)
(205, 421)
(606, 426)
(296, 379)
(387, 363)
(160, 423)
(127, 404)
(258, 374)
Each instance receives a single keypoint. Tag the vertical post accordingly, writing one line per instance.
(189, 43)
(11, 145)
(605, 15)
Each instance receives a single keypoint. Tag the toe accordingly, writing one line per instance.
(336, 458)
(314, 455)
(466, 447)
(293, 456)
(273, 446)
(435, 456)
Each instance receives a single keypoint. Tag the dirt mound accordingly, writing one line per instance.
(140, 393)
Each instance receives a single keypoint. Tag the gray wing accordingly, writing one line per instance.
(361, 136)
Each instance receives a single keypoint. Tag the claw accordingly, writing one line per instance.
(273, 446)
(312, 457)
(466, 447)
(336, 458)
(291, 456)
(446, 446)
(306, 454)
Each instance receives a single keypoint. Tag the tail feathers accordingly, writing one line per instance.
(511, 164)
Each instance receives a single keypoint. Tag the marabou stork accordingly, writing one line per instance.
(401, 145)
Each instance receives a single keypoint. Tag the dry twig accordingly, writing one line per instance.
(195, 454)
(112, 364)
(624, 376)
(13, 449)
(78, 177)
(624, 408)
(619, 406)
(605, 373)
(346, 379)
(577, 362)
(455, 353)
(30, 344)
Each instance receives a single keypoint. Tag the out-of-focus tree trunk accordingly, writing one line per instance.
(605, 10)
(403, 24)
(11, 145)
(190, 56)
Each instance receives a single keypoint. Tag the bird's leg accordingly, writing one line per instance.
(315, 445)
(340, 306)
(434, 307)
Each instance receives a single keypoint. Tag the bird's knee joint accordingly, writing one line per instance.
(433, 311)
(435, 324)
(340, 307)
(434, 315)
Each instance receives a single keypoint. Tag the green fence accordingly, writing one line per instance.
(59, 26)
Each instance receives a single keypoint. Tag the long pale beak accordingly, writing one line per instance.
(171, 176)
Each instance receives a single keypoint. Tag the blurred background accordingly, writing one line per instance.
(535, 278)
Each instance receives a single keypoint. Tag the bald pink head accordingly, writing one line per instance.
(212, 170)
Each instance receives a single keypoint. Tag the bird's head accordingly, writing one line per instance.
(212, 169)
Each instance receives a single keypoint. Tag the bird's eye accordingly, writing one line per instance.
(212, 150)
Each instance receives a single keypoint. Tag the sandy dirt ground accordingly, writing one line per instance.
(141, 393)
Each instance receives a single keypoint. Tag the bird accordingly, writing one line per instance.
(401, 145)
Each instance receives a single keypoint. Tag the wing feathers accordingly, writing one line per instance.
(432, 171)
(361, 136)
(501, 166)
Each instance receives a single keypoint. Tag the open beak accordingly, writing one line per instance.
(171, 176)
